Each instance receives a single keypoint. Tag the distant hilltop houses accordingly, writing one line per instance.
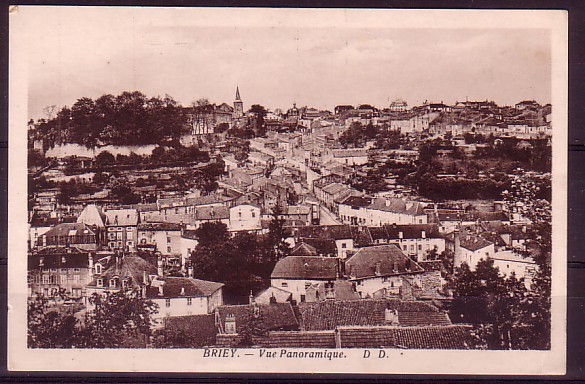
(313, 228)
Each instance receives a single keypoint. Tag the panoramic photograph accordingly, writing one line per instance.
(201, 183)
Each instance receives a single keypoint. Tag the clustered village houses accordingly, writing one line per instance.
(359, 272)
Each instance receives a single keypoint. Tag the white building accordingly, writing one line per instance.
(295, 274)
(370, 211)
(184, 296)
(245, 217)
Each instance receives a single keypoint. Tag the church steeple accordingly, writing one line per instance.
(238, 105)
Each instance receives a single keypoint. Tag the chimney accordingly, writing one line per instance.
(159, 267)
(400, 235)
(272, 299)
(144, 278)
(457, 261)
(395, 267)
(378, 269)
(391, 316)
(161, 288)
(190, 271)
(182, 291)
(423, 234)
(251, 298)
(90, 260)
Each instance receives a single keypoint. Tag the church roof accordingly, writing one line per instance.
(238, 98)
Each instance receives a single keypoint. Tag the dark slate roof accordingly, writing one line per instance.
(279, 316)
(321, 246)
(334, 232)
(305, 268)
(431, 337)
(127, 266)
(472, 242)
(173, 286)
(380, 260)
(412, 231)
(193, 331)
(59, 258)
(159, 226)
(329, 314)
(189, 234)
(397, 206)
(357, 201)
(69, 229)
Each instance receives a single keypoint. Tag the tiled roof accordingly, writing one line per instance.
(397, 206)
(305, 268)
(473, 243)
(432, 337)
(190, 331)
(174, 286)
(380, 260)
(357, 201)
(304, 249)
(279, 316)
(122, 217)
(212, 213)
(329, 314)
(431, 265)
(296, 339)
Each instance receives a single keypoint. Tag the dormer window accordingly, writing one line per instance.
(100, 282)
(113, 283)
(98, 269)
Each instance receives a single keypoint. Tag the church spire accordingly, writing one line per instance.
(238, 93)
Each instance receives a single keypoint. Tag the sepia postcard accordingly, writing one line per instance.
(216, 190)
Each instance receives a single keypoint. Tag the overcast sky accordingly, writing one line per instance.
(191, 54)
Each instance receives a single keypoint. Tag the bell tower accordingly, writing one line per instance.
(238, 105)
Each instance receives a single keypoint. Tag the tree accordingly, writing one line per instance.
(49, 326)
(507, 313)
(117, 319)
(259, 113)
(121, 190)
(105, 158)
(277, 234)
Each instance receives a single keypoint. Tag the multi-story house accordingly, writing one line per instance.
(69, 234)
(56, 270)
(415, 240)
(357, 210)
(122, 228)
(166, 237)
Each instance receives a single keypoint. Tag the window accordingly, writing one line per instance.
(63, 269)
(343, 245)
(189, 301)
(169, 249)
(420, 247)
(303, 298)
(45, 279)
(100, 282)
(307, 285)
(52, 279)
(129, 235)
(130, 243)
(128, 228)
(240, 215)
(113, 283)
(168, 239)
(118, 228)
(76, 269)
(98, 269)
(253, 214)
(404, 247)
(76, 279)
(167, 302)
(53, 269)
(284, 284)
(63, 279)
